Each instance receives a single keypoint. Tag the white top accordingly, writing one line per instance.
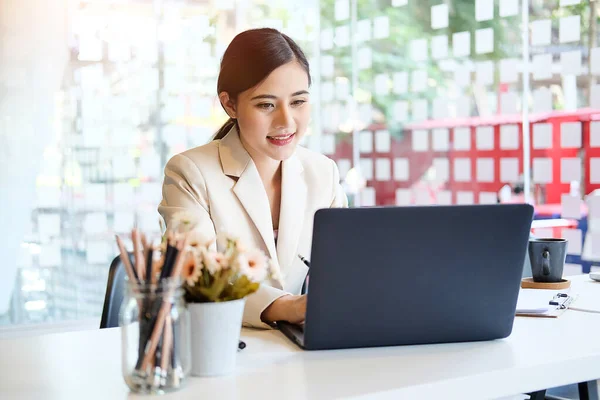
(540, 353)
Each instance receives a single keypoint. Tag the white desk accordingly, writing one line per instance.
(87, 365)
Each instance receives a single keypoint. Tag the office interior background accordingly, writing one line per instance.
(419, 102)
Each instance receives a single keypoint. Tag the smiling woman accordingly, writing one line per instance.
(253, 180)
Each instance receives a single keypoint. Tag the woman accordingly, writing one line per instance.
(253, 180)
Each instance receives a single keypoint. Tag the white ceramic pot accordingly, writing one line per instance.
(215, 334)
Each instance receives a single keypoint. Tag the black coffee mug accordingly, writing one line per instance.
(547, 257)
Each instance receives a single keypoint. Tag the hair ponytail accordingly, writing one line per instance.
(230, 123)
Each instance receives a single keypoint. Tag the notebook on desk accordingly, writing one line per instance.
(543, 303)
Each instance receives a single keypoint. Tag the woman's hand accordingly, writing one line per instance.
(289, 308)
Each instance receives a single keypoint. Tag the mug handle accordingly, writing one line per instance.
(546, 262)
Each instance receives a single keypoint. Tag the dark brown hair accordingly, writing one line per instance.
(250, 57)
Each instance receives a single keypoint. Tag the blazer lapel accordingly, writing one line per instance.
(291, 214)
(249, 188)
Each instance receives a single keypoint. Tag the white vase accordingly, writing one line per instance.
(215, 335)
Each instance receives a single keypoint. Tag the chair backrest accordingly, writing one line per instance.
(115, 291)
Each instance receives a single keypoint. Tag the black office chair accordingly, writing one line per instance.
(115, 291)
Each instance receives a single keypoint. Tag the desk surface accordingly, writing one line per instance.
(87, 364)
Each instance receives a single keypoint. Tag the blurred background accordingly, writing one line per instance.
(418, 102)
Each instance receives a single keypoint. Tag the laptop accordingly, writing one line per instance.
(388, 276)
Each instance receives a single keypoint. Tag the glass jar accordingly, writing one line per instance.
(155, 331)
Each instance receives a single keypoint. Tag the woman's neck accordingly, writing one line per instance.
(269, 170)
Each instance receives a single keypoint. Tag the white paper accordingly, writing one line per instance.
(365, 58)
(485, 170)
(342, 10)
(594, 134)
(541, 32)
(509, 137)
(462, 169)
(383, 169)
(542, 170)
(419, 110)
(509, 170)
(368, 197)
(508, 8)
(564, 3)
(420, 140)
(444, 198)
(440, 108)
(570, 170)
(570, 206)
(327, 67)
(48, 226)
(97, 252)
(594, 170)
(461, 44)
(366, 142)
(327, 39)
(595, 60)
(441, 167)
(465, 198)
(418, 49)
(569, 29)
(123, 221)
(541, 66)
(484, 41)
(381, 27)
(462, 139)
(574, 239)
(439, 16)
(382, 84)
(462, 76)
(484, 10)
(570, 62)
(542, 100)
(570, 135)
(463, 107)
(441, 139)
(484, 71)
(508, 70)
(363, 30)
(439, 47)
(95, 223)
(399, 3)
(365, 113)
(488, 198)
(400, 82)
(401, 169)
(366, 167)
(403, 197)
(509, 103)
(344, 165)
(123, 195)
(342, 36)
(342, 89)
(383, 141)
(327, 91)
(485, 137)
(422, 197)
(400, 111)
(595, 100)
(50, 255)
(327, 144)
(150, 165)
(95, 195)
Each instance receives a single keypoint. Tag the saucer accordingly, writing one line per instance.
(528, 283)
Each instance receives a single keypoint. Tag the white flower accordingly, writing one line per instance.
(214, 261)
(183, 221)
(197, 239)
(252, 263)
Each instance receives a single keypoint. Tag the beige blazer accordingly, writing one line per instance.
(220, 183)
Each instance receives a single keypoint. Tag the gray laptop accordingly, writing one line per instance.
(387, 276)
